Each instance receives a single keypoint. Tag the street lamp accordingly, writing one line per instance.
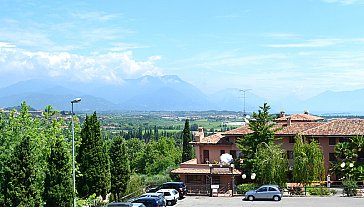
(76, 100)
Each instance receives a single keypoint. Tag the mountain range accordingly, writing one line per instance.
(165, 93)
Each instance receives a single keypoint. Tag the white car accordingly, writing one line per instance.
(171, 195)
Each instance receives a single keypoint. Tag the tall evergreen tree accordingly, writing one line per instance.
(58, 182)
(93, 160)
(187, 150)
(263, 131)
(20, 184)
(120, 168)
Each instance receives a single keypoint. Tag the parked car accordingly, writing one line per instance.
(138, 205)
(171, 195)
(149, 201)
(120, 204)
(179, 186)
(158, 195)
(265, 192)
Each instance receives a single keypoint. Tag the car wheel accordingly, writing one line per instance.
(169, 203)
(276, 198)
(250, 198)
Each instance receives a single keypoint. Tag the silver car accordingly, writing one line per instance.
(265, 192)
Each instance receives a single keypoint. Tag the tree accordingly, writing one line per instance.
(93, 159)
(120, 168)
(271, 165)
(348, 155)
(58, 181)
(263, 131)
(135, 151)
(23, 152)
(308, 161)
(20, 185)
(160, 156)
(187, 150)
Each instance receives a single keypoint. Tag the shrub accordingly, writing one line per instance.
(243, 188)
(350, 187)
(319, 191)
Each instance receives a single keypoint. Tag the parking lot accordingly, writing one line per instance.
(335, 201)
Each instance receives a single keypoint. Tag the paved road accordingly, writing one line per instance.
(335, 201)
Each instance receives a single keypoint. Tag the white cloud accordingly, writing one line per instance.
(345, 2)
(6, 45)
(110, 67)
(307, 44)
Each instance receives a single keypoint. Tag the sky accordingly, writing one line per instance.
(277, 48)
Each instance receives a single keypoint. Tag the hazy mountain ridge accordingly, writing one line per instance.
(166, 93)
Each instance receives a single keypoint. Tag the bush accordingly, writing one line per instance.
(319, 191)
(243, 188)
(350, 187)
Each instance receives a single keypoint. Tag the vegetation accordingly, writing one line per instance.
(243, 188)
(320, 191)
(270, 165)
(263, 132)
(93, 160)
(58, 182)
(120, 168)
(308, 161)
(347, 154)
(187, 150)
(350, 187)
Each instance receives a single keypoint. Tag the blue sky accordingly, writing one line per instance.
(276, 48)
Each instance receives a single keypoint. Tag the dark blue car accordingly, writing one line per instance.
(149, 201)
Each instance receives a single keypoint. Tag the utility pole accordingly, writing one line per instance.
(244, 97)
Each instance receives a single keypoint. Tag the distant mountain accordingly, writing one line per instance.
(145, 93)
(351, 102)
(166, 93)
(40, 93)
(232, 99)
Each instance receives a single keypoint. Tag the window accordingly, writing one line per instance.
(222, 152)
(206, 156)
(271, 189)
(198, 179)
(332, 157)
(233, 153)
(263, 189)
(289, 154)
(332, 141)
(343, 139)
(291, 140)
(216, 180)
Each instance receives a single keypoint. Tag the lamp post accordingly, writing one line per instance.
(76, 100)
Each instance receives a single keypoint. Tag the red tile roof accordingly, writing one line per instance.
(339, 127)
(297, 127)
(300, 117)
(239, 131)
(217, 138)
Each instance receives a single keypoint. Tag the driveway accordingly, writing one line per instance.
(335, 201)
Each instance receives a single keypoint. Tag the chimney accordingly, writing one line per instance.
(199, 135)
(282, 114)
(289, 121)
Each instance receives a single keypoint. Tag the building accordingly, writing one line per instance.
(204, 170)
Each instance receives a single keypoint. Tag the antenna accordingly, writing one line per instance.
(244, 97)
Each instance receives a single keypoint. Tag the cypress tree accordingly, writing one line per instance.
(20, 183)
(120, 167)
(93, 160)
(187, 151)
(58, 182)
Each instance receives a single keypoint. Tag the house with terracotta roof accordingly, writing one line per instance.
(206, 170)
